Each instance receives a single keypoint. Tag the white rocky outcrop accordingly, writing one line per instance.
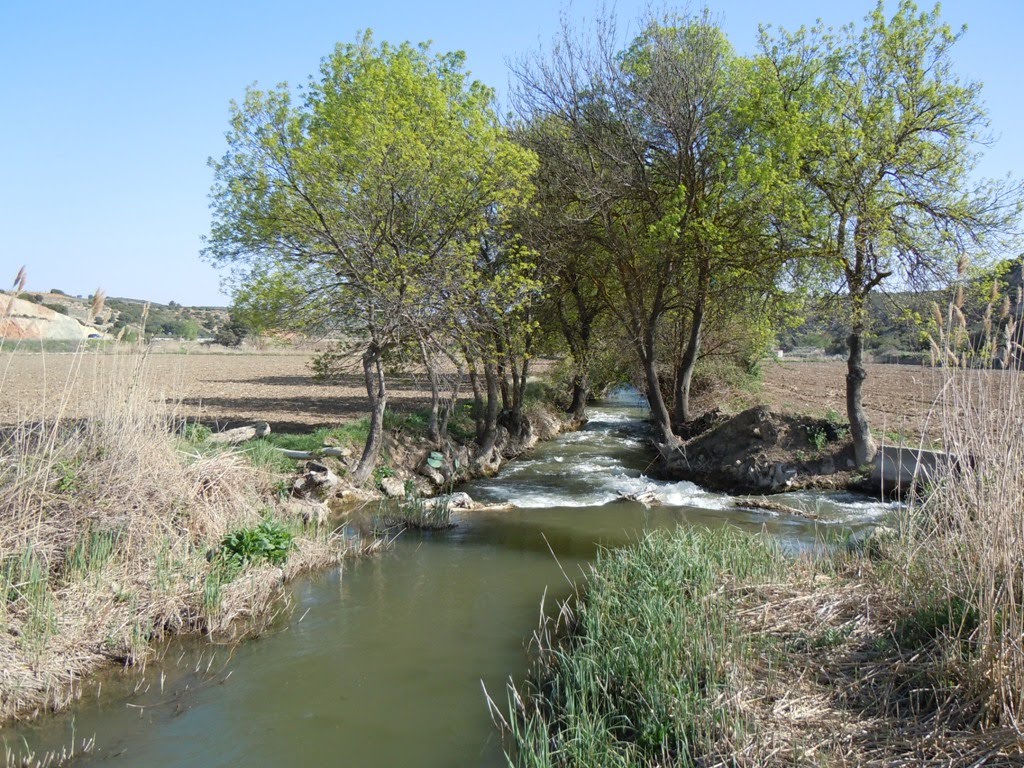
(20, 319)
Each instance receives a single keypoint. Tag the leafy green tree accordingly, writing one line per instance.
(232, 332)
(661, 176)
(358, 207)
(886, 137)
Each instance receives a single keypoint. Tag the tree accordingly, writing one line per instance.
(357, 209)
(560, 231)
(659, 169)
(232, 332)
(886, 136)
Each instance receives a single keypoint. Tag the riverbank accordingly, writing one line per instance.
(118, 531)
(901, 647)
(696, 647)
(131, 522)
(759, 451)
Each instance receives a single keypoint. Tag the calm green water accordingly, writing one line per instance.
(385, 662)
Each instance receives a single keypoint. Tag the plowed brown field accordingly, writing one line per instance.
(228, 389)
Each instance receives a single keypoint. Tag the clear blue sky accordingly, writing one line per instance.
(110, 109)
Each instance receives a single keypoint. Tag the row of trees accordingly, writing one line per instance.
(646, 207)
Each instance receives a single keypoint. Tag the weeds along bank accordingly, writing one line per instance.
(699, 647)
(122, 521)
(115, 532)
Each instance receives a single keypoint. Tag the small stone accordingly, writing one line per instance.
(432, 475)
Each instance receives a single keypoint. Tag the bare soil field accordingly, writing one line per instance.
(224, 390)
(219, 390)
(898, 398)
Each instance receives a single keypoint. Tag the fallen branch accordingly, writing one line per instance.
(327, 450)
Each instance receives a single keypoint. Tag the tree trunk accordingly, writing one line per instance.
(863, 444)
(490, 432)
(684, 373)
(864, 448)
(449, 406)
(376, 391)
(659, 411)
(433, 429)
(516, 405)
(506, 396)
(478, 400)
(580, 394)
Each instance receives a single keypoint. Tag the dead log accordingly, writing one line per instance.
(240, 434)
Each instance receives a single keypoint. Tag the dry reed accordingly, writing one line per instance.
(107, 525)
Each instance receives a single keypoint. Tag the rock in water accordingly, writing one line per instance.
(458, 500)
(647, 497)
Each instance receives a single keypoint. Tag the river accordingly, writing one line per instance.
(385, 661)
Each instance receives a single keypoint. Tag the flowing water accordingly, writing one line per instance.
(385, 663)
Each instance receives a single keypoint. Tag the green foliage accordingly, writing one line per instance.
(414, 512)
(644, 677)
(879, 113)
(262, 453)
(936, 617)
(268, 542)
(817, 437)
(349, 434)
(66, 480)
(58, 308)
(233, 332)
(25, 584)
(196, 433)
(90, 553)
(388, 139)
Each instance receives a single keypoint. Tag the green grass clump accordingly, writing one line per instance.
(265, 455)
(353, 433)
(644, 674)
(415, 512)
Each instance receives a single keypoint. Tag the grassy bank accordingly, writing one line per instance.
(117, 530)
(713, 648)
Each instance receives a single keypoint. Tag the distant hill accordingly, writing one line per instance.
(24, 319)
(59, 316)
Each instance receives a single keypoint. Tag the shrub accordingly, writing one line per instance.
(267, 542)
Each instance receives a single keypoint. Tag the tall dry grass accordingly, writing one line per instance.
(965, 535)
(106, 527)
